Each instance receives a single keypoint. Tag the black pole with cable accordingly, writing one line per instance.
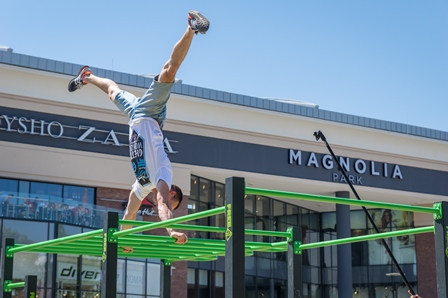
(320, 136)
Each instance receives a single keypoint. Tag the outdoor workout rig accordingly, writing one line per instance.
(106, 242)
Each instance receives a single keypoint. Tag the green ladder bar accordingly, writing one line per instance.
(327, 199)
(164, 224)
(67, 239)
(368, 237)
(210, 229)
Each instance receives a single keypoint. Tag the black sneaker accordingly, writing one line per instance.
(197, 22)
(77, 82)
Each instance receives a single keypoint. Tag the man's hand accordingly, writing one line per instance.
(181, 238)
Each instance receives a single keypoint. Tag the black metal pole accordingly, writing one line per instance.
(79, 277)
(30, 286)
(441, 238)
(235, 241)
(7, 268)
(165, 279)
(110, 255)
(295, 263)
(344, 251)
(319, 135)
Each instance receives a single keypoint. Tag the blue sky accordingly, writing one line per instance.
(384, 59)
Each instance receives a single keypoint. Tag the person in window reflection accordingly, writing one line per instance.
(147, 115)
(4, 200)
(388, 225)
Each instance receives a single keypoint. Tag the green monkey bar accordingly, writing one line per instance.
(344, 201)
(151, 246)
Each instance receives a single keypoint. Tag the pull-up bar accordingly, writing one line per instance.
(328, 199)
(166, 223)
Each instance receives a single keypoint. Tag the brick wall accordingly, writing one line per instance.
(426, 265)
(114, 198)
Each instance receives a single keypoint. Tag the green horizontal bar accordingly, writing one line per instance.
(177, 249)
(210, 229)
(165, 223)
(137, 254)
(67, 239)
(327, 199)
(157, 238)
(268, 233)
(368, 237)
(15, 285)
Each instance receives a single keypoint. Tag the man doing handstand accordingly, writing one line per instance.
(147, 114)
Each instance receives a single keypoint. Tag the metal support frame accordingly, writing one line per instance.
(441, 249)
(295, 263)
(165, 279)
(109, 260)
(30, 286)
(344, 251)
(235, 241)
(7, 261)
(79, 277)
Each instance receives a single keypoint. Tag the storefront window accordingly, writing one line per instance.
(249, 204)
(263, 207)
(263, 287)
(153, 279)
(45, 194)
(135, 276)
(191, 280)
(30, 264)
(280, 288)
(219, 284)
(77, 194)
(219, 194)
(194, 188)
(25, 232)
(67, 277)
(91, 280)
(292, 214)
(251, 287)
(192, 206)
(9, 186)
(204, 190)
(46, 191)
(121, 275)
(403, 248)
(203, 283)
(278, 208)
(264, 267)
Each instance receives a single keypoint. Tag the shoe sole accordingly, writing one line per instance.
(79, 73)
(201, 21)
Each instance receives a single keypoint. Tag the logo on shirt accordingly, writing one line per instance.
(137, 154)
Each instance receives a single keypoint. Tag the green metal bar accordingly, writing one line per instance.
(208, 229)
(327, 199)
(144, 254)
(14, 285)
(164, 224)
(54, 241)
(368, 237)
(268, 233)
(165, 239)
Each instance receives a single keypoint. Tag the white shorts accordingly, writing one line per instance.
(148, 157)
